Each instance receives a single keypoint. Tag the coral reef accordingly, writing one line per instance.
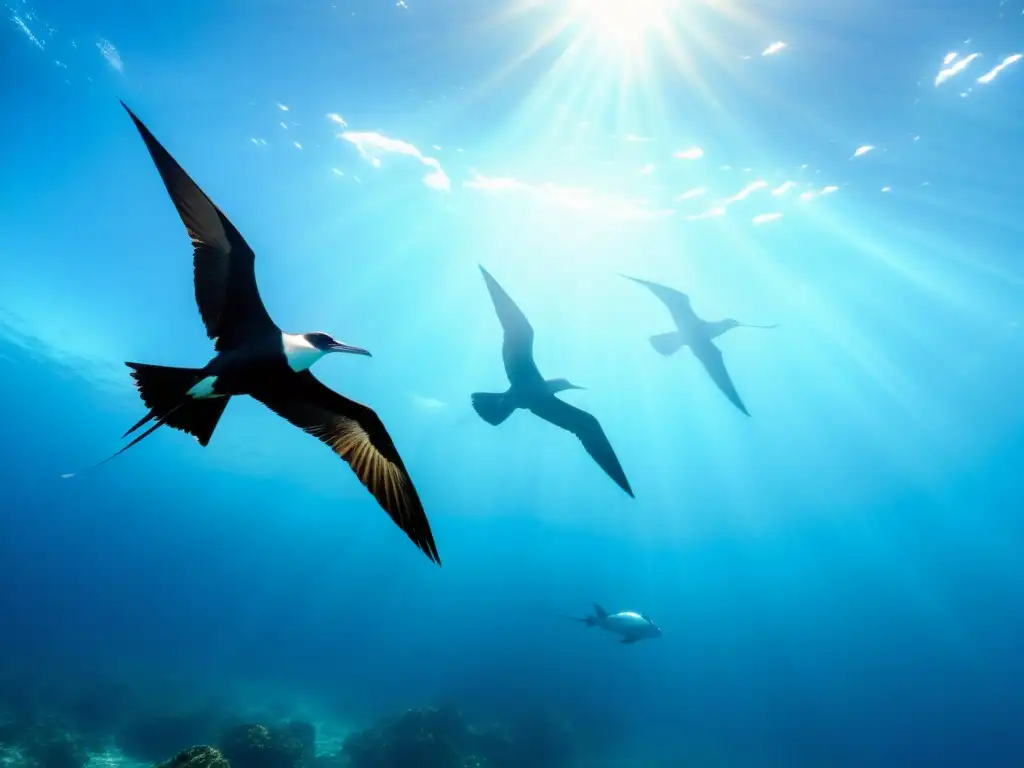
(305, 734)
(56, 751)
(440, 737)
(197, 757)
(44, 749)
(60, 724)
(257, 746)
(153, 739)
(36, 738)
(433, 737)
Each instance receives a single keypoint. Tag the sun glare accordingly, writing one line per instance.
(611, 57)
(621, 25)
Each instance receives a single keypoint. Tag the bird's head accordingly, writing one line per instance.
(325, 343)
(560, 385)
(728, 324)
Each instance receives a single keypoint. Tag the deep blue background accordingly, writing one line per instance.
(838, 578)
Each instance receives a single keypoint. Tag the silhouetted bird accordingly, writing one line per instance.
(697, 334)
(254, 357)
(531, 391)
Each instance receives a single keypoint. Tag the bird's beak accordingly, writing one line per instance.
(576, 386)
(339, 347)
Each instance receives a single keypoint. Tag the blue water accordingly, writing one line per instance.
(837, 578)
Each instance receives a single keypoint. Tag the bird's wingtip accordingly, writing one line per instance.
(133, 116)
(427, 546)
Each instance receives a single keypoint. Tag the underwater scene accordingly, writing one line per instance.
(511, 384)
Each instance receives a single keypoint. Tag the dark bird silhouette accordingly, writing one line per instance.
(254, 357)
(698, 335)
(531, 391)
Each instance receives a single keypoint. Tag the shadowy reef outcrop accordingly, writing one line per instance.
(41, 746)
(305, 733)
(257, 746)
(440, 737)
(154, 739)
(62, 727)
(197, 757)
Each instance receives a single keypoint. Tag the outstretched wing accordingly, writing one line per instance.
(356, 434)
(589, 432)
(517, 346)
(223, 264)
(678, 303)
(710, 357)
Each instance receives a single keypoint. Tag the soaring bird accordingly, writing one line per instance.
(531, 391)
(254, 357)
(697, 334)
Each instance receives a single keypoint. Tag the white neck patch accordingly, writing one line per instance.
(299, 352)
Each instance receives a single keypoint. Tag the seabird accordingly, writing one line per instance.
(531, 391)
(697, 334)
(254, 357)
(631, 625)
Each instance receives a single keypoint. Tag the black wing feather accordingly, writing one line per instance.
(223, 263)
(711, 358)
(589, 431)
(517, 345)
(678, 303)
(356, 434)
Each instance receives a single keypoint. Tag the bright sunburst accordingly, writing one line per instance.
(602, 41)
(614, 62)
(622, 26)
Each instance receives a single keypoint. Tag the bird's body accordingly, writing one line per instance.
(265, 359)
(631, 626)
(697, 334)
(254, 357)
(529, 390)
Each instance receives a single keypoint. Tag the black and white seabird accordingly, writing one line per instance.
(254, 357)
(531, 391)
(697, 334)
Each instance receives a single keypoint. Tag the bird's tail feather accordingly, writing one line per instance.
(159, 423)
(492, 408)
(164, 389)
(667, 343)
(587, 621)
